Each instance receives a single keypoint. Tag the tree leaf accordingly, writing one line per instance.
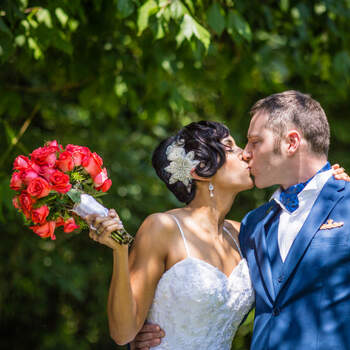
(177, 9)
(236, 23)
(190, 27)
(145, 11)
(61, 16)
(125, 7)
(187, 27)
(190, 5)
(202, 35)
(216, 18)
(38, 54)
(160, 30)
(44, 16)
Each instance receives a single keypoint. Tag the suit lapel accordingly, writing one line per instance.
(262, 254)
(327, 199)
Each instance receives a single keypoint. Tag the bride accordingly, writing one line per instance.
(185, 270)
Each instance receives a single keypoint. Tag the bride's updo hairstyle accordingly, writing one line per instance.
(204, 139)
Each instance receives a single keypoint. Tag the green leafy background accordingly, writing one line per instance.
(118, 76)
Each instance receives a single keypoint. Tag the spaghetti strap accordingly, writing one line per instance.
(182, 234)
(229, 233)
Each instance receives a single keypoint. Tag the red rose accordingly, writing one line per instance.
(39, 187)
(45, 156)
(16, 181)
(80, 154)
(45, 230)
(106, 186)
(59, 221)
(65, 161)
(15, 202)
(21, 163)
(70, 225)
(94, 165)
(26, 203)
(39, 215)
(60, 182)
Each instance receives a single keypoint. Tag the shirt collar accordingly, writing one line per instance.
(312, 188)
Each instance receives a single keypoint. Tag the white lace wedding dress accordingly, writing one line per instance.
(198, 306)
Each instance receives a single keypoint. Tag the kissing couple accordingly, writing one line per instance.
(193, 275)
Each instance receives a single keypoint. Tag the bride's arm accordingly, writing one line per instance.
(134, 277)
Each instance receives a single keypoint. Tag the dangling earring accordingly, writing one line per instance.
(211, 190)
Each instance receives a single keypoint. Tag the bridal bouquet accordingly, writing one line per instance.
(56, 183)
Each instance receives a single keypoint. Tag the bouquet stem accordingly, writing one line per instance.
(122, 237)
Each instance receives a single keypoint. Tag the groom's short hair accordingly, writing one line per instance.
(302, 111)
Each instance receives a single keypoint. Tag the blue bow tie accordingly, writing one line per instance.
(289, 197)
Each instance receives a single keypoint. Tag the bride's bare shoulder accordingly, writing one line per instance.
(153, 237)
(157, 227)
(159, 222)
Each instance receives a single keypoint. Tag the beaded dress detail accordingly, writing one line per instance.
(198, 306)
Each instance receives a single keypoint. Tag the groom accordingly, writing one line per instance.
(298, 244)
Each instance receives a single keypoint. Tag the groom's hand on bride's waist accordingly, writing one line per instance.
(149, 336)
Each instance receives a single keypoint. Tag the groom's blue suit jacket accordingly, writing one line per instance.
(308, 306)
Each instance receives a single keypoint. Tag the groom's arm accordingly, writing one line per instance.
(149, 336)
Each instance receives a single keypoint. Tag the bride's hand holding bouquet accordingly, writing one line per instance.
(101, 228)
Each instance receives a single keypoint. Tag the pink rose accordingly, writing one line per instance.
(100, 178)
(105, 186)
(39, 215)
(26, 203)
(45, 230)
(28, 175)
(80, 154)
(39, 187)
(70, 225)
(54, 144)
(65, 161)
(101, 181)
(21, 163)
(16, 182)
(45, 156)
(60, 182)
(94, 165)
(45, 171)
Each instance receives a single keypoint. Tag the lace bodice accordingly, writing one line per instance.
(198, 306)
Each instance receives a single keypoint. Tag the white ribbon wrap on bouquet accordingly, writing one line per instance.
(89, 205)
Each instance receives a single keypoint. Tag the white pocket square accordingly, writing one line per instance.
(331, 224)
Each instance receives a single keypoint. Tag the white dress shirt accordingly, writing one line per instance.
(291, 223)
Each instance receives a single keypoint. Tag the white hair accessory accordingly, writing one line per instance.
(181, 164)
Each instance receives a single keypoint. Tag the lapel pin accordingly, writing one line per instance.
(331, 224)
